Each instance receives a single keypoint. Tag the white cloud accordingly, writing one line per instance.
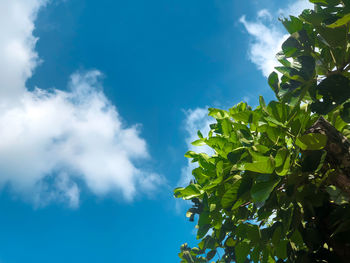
(196, 120)
(267, 35)
(54, 142)
(18, 58)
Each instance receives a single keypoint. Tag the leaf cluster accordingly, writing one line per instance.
(267, 192)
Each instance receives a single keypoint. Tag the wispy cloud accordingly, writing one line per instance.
(267, 34)
(56, 143)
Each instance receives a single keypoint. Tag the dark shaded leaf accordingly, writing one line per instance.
(262, 190)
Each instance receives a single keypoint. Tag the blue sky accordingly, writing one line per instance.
(99, 101)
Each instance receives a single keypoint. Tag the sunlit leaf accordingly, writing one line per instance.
(312, 141)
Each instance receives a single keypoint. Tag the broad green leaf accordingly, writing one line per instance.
(262, 190)
(273, 82)
(312, 17)
(191, 154)
(273, 133)
(192, 190)
(305, 65)
(297, 239)
(245, 116)
(335, 37)
(312, 141)
(291, 73)
(199, 142)
(217, 113)
(291, 47)
(261, 148)
(281, 156)
(282, 161)
(276, 237)
(242, 250)
(204, 218)
(230, 242)
(265, 165)
(202, 231)
(230, 195)
(341, 21)
(281, 249)
(293, 24)
(278, 111)
(253, 233)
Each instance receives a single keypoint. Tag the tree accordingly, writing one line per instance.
(277, 187)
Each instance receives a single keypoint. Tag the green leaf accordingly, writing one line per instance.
(278, 110)
(202, 231)
(192, 190)
(230, 195)
(217, 113)
(335, 37)
(230, 242)
(198, 142)
(291, 73)
(293, 25)
(273, 133)
(191, 154)
(345, 112)
(262, 190)
(276, 237)
(281, 249)
(242, 250)
(312, 141)
(282, 161)
(305, 65)
(245, 116)
(204, 218)
(281, 156)
(264, 165)
(253, 233)
(297, 238)
(261, 148)
(273, 82)
(341, 21)
(291, 47)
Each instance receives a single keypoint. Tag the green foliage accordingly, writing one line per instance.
(266, 194)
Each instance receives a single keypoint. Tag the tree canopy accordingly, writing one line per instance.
(277, 187)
